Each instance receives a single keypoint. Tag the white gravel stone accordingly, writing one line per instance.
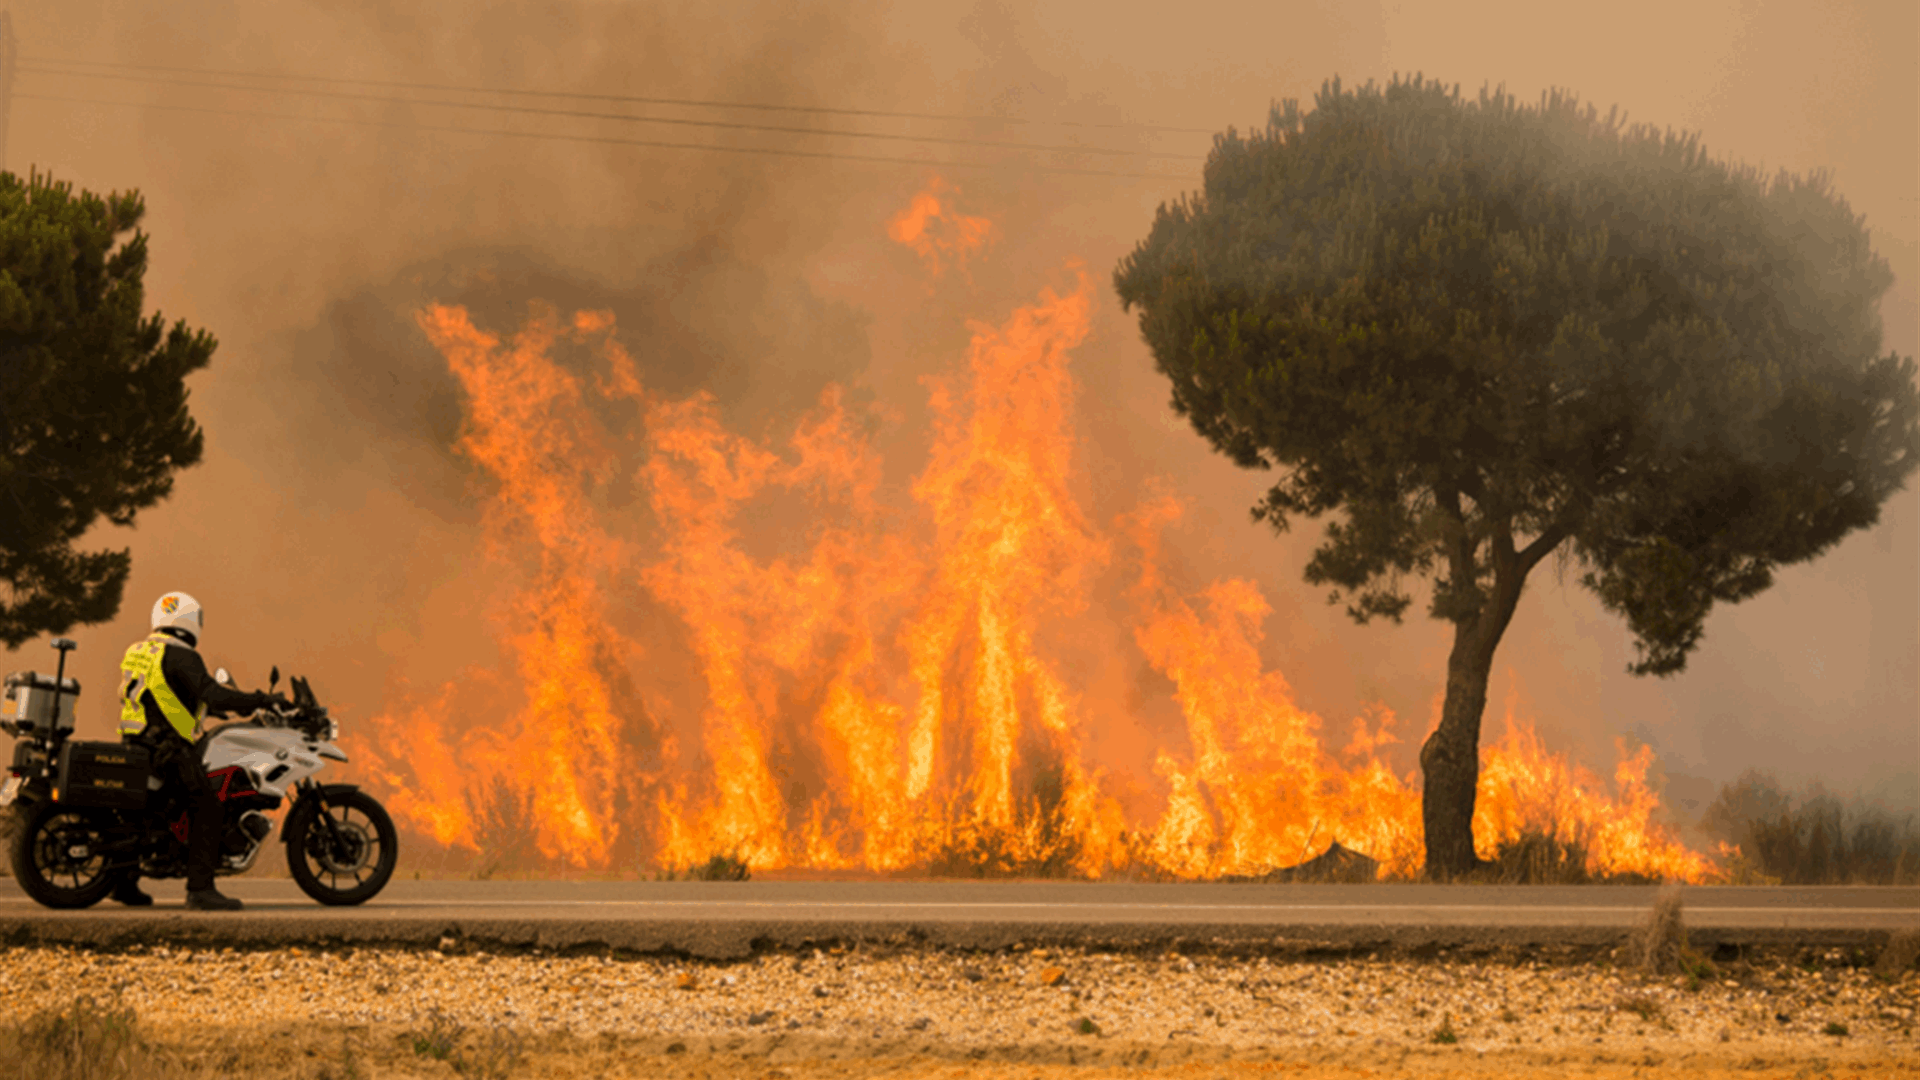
(933, 996)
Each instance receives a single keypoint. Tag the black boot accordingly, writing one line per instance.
(211, 899)
(127, 892)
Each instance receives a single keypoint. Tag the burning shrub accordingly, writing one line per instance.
(503, 828)
(1536, 857)
(1033, 849)
(920, 662)
(720, 866)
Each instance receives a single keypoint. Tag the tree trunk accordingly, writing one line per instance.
(1450, 759)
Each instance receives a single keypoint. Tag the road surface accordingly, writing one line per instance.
(730, 919)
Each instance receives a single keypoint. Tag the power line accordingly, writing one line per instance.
(602, 140)
(626, 98)
(578, 114)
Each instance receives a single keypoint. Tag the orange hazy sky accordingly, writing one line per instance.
(327, 530)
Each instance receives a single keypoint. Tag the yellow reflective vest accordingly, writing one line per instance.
(141, 681)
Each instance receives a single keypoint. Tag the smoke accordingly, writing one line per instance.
(334, 527)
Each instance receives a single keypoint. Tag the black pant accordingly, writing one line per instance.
(177, 763)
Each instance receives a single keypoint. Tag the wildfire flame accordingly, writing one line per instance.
(901, 686)
(936, 230)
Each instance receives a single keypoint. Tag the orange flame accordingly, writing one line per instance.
(899, 683)
(523, 431)
(937, 231)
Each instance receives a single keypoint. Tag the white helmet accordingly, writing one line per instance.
(180, 612)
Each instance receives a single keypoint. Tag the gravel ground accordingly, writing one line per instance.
(1018, 1013)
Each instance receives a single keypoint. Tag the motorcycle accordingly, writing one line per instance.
(86, 813)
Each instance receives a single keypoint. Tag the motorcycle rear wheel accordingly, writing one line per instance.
(350, 863)
(55, 844)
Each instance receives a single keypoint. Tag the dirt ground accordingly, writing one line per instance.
(381, 1054)
(458, 1013)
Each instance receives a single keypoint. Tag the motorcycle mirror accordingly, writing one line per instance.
(220, 676)
(273, 678)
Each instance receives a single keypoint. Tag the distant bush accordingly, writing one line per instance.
(1811, 838)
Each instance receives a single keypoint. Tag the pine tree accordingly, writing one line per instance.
(93, 399)
(1479, 333)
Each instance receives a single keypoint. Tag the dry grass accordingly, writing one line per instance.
(864, 1014)
(83, 1040)
(1643, 1007)
(1662, 943)
(1547, 856)
(1660, 947)
(497, 1052)
(1903, 948)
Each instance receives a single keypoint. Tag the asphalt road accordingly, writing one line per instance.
(725, 919)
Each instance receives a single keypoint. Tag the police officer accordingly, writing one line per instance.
(165, 692)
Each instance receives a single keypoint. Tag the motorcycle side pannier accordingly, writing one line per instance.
(27, 707)
(103, 774)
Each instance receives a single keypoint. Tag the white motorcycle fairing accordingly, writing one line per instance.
(274, 757)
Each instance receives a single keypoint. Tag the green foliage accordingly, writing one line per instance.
(1444, 1035)
(1478, 330)
(93, 399)
(1811, 839)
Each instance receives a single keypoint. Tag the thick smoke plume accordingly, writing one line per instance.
(339, 528)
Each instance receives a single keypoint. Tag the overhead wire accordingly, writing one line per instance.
(579, 114)
(605, 140)
(626, 98)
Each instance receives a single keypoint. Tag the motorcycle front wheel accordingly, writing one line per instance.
(343, 853)
(57, 857)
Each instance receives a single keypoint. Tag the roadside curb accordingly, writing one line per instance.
(711, 940)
